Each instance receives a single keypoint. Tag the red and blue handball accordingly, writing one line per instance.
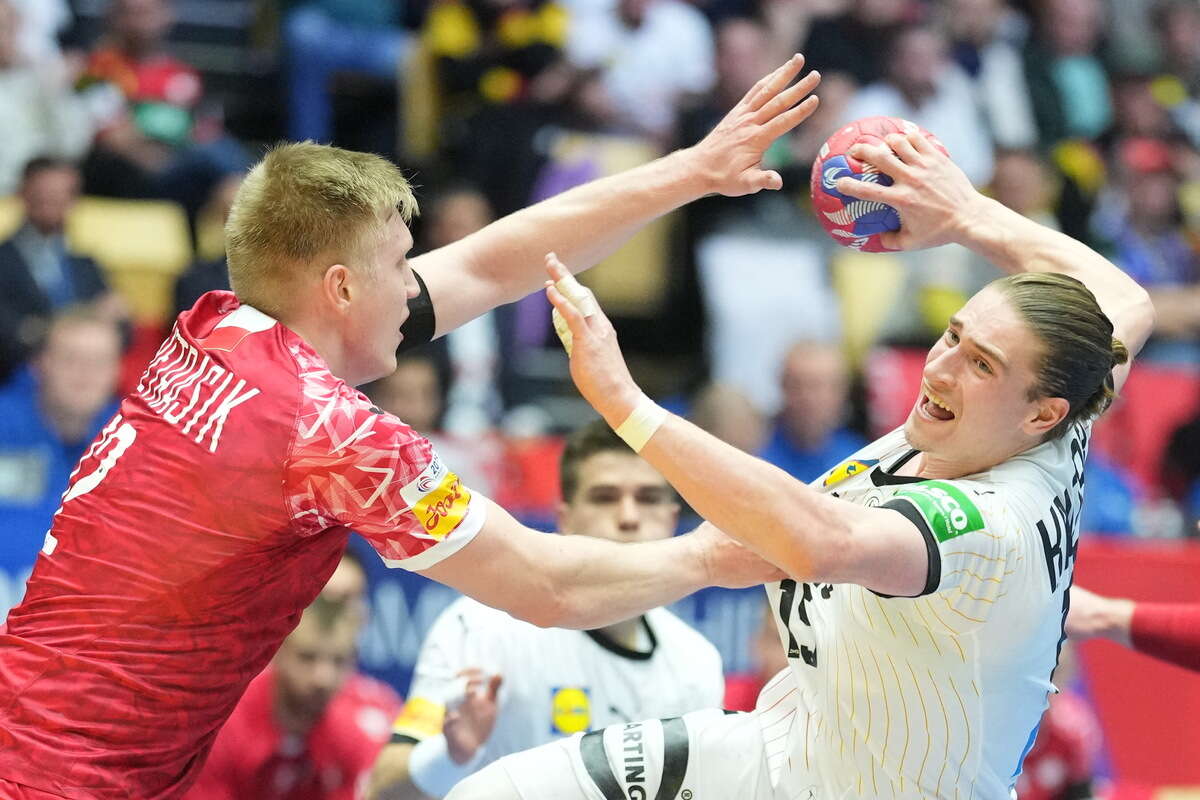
(851, 222)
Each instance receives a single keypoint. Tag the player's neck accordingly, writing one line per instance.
(323, 340)
(290, 717)
(933, 467)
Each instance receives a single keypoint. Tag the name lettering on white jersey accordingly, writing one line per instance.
(178, 367)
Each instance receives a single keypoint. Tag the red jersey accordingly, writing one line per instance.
(1064, 756)
(252, 757)
(207, 515)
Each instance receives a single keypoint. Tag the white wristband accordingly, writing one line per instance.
(431, 768)
(646, 418)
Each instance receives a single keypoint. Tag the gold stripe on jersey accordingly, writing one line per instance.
(904, 707)
(925, 714)
(966, 726)
(924, 621)
(420, 718)
(946, 729)
(883, 611)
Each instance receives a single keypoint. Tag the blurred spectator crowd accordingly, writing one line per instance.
(128, 123)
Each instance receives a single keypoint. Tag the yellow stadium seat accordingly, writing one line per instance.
(10, 216)
(633, 281)
(420, 103)
(142, 245)
(867, 285)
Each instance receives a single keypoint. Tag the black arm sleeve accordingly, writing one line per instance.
(421, 324)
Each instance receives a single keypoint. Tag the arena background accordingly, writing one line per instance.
(1083, 114)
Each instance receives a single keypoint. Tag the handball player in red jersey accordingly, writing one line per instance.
(217, 502)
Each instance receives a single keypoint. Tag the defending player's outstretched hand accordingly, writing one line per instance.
(731, 154)
(468, 724)
(934, 197)
(597, 365)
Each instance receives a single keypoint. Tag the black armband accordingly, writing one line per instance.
(421, 324)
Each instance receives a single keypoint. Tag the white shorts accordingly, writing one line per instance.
(704, 755)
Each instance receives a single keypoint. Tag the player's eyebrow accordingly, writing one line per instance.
(987, 349)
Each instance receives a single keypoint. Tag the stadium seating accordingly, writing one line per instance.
(142, 245)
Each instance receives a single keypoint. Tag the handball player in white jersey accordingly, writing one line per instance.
(929, 571)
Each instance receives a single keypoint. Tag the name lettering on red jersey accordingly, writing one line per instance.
(188, 389)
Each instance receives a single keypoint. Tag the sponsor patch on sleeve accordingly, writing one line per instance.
(441, 510)
(420, 719)
(848, 470)
(438, 499)
(947, 509)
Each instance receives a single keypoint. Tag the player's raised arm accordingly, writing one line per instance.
(501, 263)
(938, 205)
(808, 535)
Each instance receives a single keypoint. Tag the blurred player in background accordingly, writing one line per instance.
(309, 726)
(555, 682)
(217, 502)
(1167, 631)
(929, 572)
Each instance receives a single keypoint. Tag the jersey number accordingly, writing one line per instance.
(113, 442)
(787, 602)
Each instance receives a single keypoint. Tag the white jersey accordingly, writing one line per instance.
(937, 696)
(558, 682)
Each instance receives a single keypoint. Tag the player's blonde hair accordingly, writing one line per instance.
(1079, 350)
(303, 207)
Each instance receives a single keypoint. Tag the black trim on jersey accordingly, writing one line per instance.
(616, 648)
(675, 758)
(934, 576)
(595, 761)
(403, 738)
(421, 324)
(884, 477)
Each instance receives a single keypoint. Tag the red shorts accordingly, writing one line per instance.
(17, 791)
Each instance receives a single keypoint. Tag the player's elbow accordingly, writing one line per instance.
(822, 550)
(548, 605)
(546, 612)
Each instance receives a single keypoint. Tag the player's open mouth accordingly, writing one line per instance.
(934, 407)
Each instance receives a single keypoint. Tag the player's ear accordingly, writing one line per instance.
(336, 286)
(1047, 413)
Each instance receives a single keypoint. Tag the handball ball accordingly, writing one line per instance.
(852, 222)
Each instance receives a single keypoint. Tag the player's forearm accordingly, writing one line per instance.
(564, 581)
(582, 225)
(1167, 631)
(599, 582)
(390, 779)
(795, 528)
(1016, 244)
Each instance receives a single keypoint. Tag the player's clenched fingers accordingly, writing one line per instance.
(902, 146)
(862, 190)
(789, 97)
(881, 158)
(920, 142)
